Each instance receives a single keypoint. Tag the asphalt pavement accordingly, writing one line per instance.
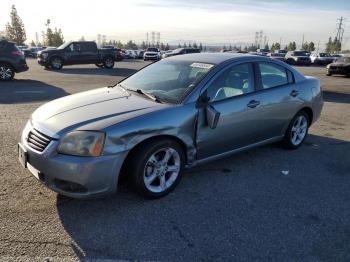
(266, 204)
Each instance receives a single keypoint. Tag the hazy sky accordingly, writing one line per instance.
(206, 21)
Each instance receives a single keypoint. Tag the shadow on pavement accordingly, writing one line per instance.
(241, 208)
(123, 72)
(336, 97)
(25, 90)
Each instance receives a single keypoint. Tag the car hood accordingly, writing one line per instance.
(91, 110)
(151, 53)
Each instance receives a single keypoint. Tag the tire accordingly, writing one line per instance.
(148, 163)
(7, 72)
(56, 63)
(297, 131)
(108, 62)
(291, 61)
(99, 65)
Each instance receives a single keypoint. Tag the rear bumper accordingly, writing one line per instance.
(21, 68)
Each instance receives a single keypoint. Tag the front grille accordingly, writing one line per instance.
(37, 140)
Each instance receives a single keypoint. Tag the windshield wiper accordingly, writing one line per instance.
(151, 96)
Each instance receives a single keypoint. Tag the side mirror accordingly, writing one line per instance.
(212, 116)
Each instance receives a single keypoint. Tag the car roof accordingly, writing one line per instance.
(213, 58)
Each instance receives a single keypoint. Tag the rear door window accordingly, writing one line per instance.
(272, 75)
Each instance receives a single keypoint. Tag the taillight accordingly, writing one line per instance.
(19, 53)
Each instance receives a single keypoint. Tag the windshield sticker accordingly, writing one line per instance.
(202, 65)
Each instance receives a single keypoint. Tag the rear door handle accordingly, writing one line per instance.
(294, 93)
(253, 104)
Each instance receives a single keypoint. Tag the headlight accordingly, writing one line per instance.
(82, 143)
(44, 55)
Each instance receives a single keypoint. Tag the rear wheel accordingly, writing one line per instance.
(56, 63)
(297, 130)
(108, 62)
(156, 168)
(6, 72)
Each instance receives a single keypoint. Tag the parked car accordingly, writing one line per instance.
(175, 113)
(32, 51)
(321, 58)
(341, 66)
(182, 51)
(281, 51)
(118, 52)
(73, 53)
(141, 53)
(277, 56)
(262, 51)
(12, 60)
(297, 58)
(151, 53)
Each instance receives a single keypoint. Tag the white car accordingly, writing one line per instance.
(321, 58)
(152, 53)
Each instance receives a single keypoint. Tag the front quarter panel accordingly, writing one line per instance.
(177, 121)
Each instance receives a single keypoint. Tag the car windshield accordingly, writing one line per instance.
(64, 45)
(300, 53)
(343, 59)
(168, 80)
(277, 54)
(152, 49)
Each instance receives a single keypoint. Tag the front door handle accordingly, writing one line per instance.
(294, 93)
(253, 104)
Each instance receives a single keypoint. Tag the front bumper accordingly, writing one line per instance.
(341, 70)
(42, 61)
(72, 176)
(151, 58)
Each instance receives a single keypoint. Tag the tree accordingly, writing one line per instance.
(305, 46)
(143, 45)
(82, 38)
(15, 30)
(53, 38)
(131, 45)
(32, 43)
(179, 46)
(167, 47)
(311, 46)
(292, 46)
(195, 45)
(185, 45)
(200, 46)
(267, 46)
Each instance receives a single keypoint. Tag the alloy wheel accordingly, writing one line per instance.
(299, 130)
(161, 170)
(5, 72)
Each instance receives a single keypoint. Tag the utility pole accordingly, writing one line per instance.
(302, 42)
(340, 31)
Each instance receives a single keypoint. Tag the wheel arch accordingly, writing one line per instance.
(135, 148)
(309, 112)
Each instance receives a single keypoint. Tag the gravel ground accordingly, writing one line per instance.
(241, 208)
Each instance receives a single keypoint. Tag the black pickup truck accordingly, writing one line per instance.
(74, 53)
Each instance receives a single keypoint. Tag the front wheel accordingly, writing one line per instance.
(297, 130)
(56, 63)
(6, 72)
(156, 168)
(108, 63)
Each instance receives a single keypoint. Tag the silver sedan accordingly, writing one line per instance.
(173, 114)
